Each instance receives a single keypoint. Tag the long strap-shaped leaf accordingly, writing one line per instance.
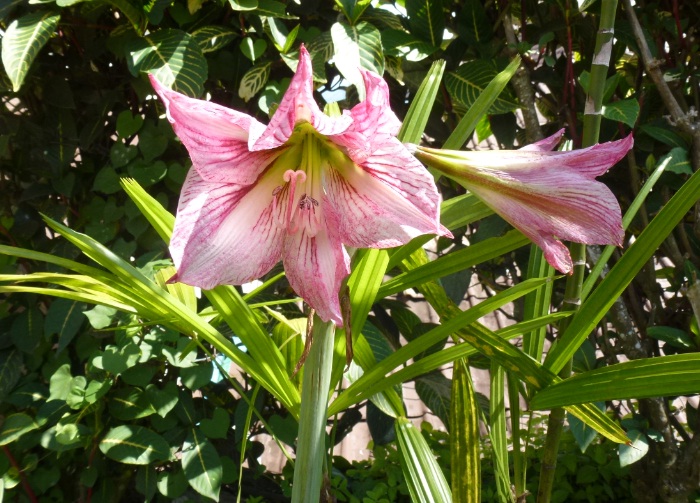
(603, 297)
(464, 436)
(187, 321)
(650, 377)
(509, 356)
(367, 382)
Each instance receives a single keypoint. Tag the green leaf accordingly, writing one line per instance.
(473, 25)
(212, 38)
(464, 437)
(254, 80)
(454, 262)
(497, 431)
(355, 47)
(470, 80)
(485, 100)
(401, 44)
(253, 49)
(16, 425)
(201, 464)
(27, 329)
(422, 473)
(599, 302)
(218, 425)
(130, 403)
(583, 433)
(674, 336)
(243, 5)
(679, 161)
(197, 376)
(650, 377)
(632, 453)
(128, 124)
(665, 135)
(60, 383)
(172, 484)
(134, 445)
(427, 20)
(65, 319)
(23, 40)
(625, 111)
(434, 391)
(173, 56)
(353, 9)
(419, 112)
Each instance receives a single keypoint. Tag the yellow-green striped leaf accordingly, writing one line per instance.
(174, 57)
(470, 80)
(212, 38)
(23, 40)
(355, 47)
(464, 437)
(254, 80)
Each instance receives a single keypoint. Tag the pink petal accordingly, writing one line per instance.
(548, 196)
(393, 165)
(216, 137)
(315, 267)
(547, 144)
(224, 233)
(372, 214)
(374, 115)
(298, 105)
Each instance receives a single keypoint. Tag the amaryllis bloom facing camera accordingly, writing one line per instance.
(296, 190)
(547, 195)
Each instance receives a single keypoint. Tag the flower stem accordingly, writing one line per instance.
(311, 442)
(591, 132)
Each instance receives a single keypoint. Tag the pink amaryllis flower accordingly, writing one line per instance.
(296, 190)
(549, 196)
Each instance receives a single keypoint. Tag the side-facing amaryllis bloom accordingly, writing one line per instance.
(296, 190)
(548, 195)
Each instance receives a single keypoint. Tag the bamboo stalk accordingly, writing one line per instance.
(592, 116)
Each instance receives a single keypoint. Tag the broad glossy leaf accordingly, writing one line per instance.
(16, 425)
(471, 79)
(358, 46)
(427, 20)
(485, 100)
(134, 445)
(23, 40)
(212, 38)
(201, 464)
(625, 111)
(173, 56)
(254, 80)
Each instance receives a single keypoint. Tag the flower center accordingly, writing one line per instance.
(296, 204)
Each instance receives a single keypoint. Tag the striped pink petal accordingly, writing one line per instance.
(297, 190)
(548, 196)
(224, 234)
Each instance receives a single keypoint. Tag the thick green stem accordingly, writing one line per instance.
(311, 442)
(591, 132)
